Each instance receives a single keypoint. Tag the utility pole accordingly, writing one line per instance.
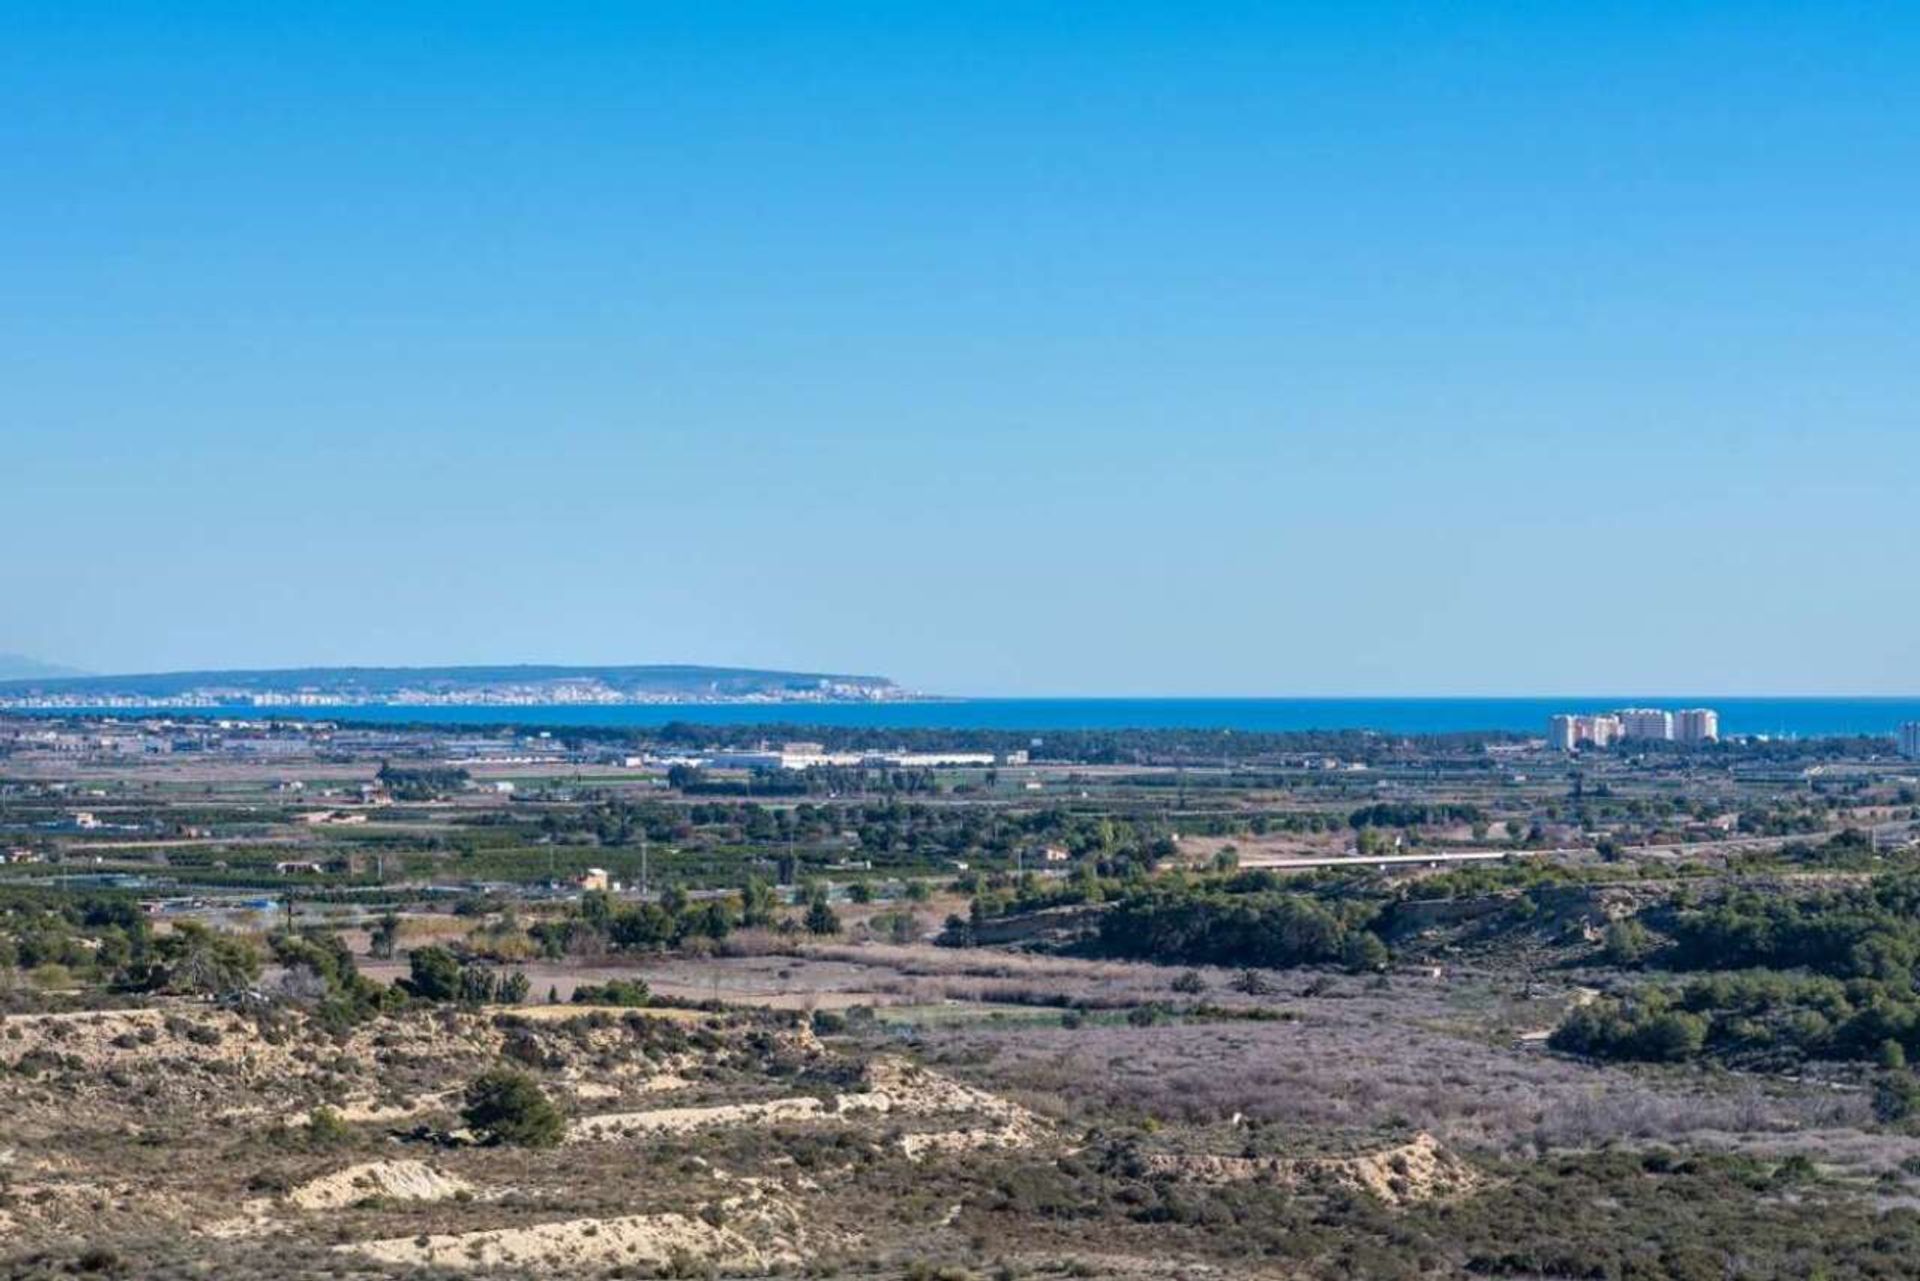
(643, 865)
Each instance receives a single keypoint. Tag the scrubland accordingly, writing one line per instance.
(1584, 1061)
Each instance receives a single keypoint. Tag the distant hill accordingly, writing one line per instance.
(538, 681)
(18, 667)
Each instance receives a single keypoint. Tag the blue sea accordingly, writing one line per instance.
(1774, 717)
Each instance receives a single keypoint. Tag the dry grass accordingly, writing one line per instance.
(1345, 1066)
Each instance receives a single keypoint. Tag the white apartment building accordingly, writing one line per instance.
(1567, 732)
(1910, 740)
(1563, 732)
(1570, 732)
(1645, 722)
(1697, 725)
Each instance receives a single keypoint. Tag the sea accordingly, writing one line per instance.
(1769, 717)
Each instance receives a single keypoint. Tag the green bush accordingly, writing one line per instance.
(821, 918)
(1363, 952)
(1251, 927)
(325, 1129)
(505, 1106)
(1627, 943)
(1646, 1029)
(433, 974)
(630, 993)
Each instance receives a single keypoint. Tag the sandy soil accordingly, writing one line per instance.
(392, 1180)
(1420, 1170)
(896, 1088)
(618, 1125)
(656, 1239)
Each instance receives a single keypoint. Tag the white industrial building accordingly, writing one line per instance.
(812, 755)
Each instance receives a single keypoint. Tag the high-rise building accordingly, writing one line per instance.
(1697, 725)
(1910, 740)
(1568, 732)
(1563, 732)
(1645, 722)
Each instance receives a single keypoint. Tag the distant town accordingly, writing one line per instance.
(516, 686)
(1570, 732)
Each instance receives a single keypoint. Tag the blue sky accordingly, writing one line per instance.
(1002, 348)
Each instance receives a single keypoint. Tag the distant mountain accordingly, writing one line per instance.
(18, 667)
(533, 683)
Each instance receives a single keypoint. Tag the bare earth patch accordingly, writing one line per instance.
(614, 1125)
(390, 1180)
(898, 1088)
(1407, 1174)
(637, 1239)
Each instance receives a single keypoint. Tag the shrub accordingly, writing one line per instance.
(1257, 927)
(1896, 1096)
(630, 993)
(194, 959)
(1796, 1168)
(1251, 983)
(821, 918)
(99, 1260)
(1627, 943)
(1647, 1029)
(505, 1106)
(325, 1129)
(433, 974)
(1363, 952)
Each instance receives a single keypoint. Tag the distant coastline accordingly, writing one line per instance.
(522, 685)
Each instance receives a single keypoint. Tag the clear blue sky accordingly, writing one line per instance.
(1002, 348)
